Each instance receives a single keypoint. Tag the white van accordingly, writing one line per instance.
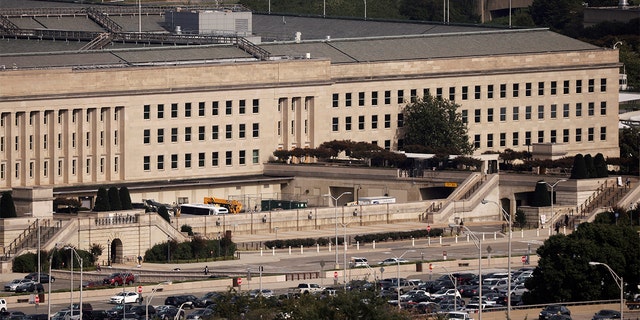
(358, 262)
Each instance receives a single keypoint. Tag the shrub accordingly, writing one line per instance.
(102, 200)
(7, 206)
(187, 229)
(579, 170)
(541, 196)
(24, 263)
(125, 198)
(114, 199)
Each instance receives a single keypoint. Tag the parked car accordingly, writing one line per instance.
(12, 315)
(66, 315)
(606, 314)
(458, 315)
(117, 310)
(30, 287)
(553, 309)
(140, 311)
(266, 293)
(125, 297)
(200, 314)
(305, 288)
(39, 316)
(11, 286)
(391, 261)
(119, 278)
(211, 297)
(3, 305)
(44, 277)
(358, 262)
(167, 312)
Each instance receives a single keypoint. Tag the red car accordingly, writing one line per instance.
(119, 278)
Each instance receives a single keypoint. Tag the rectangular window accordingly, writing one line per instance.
(387, 97)
(174, 161)
(228, 158)
(31, 142)
(565, 110)
(578, 134)
(490, 140)
(335, 101)
(515, 137)
(255, 130)
(503, 90)
(174, 110)
(215, 132)
(592, 85)
(360, 99)
(540, 136)
(603, 84)
(347, 123)
(215, 108)
(201, 108)
(565, 135)
(160, 162)
(414, 95)
(374, 98)
(214, 159)
(256, 156)
(387, 144)
(477, 92)
(201, 159)
(146, 136)
(146, 163)
(516, 90)
(256, 106)
(160, 111)
(527, 113)
(400, 120)
(553, 136)
(516, 113)
(174, 134)
(465, 93)
(374, 122)
(540, 112)
(115, 164)
(228, 109)
(187, 110)
(187, 160)
(400, 96)
(527, 89)
(387, 121)
(187, 134)
(334, 124)
(201, 133)
(465, 116)
(452, 93)
(45, 142)
(490, 91)
(541, 88)
(242, 106)
(146, 113)
(59, 167)
(603, 133)
(554, 88)
(591, 109)
(73, 167)
(476, 141)
(477, 114)
(590, 134)
(578, 86)
(242, 154)
(527, 138)
(503, 139)
(228, 131)
(490, 115)
(360, 122)
(554, 111)
(439, 93)
(242, 129)
(87, 139)
(347, 99)
(603, 108)
(73, 141)
(578, 109)
(45, 168)
(565, 86)
(31, 165)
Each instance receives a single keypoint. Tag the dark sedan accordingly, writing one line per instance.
(552, 310)
(44, 277)
(606, 314)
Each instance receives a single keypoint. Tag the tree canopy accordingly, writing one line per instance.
(435, 123)
(102, 200)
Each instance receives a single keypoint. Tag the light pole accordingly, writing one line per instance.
(398, 273)
(553, 213)
(55, 247)
(455, 287)
(478, 243)
(619, 282)
(109, 252)
(153, 292)
(74, 252)
(335, 214)
(179, 310)
(508, 217)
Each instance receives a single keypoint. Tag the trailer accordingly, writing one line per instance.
(375, 200)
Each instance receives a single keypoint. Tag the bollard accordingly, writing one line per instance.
(374, 244)
(273, 251)
(357, 245)
(289, 250)
(329, 246)
(413, 242)
(440, 240)
(538, 232)
(483, 236)
(317, 248)
(521, 233)
(429, 242)
(549, 232)
(467, 237)
(564, 230)
(456, 238)
(495, 236)
(261, 252)
(301, 249)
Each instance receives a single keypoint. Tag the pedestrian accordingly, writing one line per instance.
(566, 220)
(558, 227)
(628, 182)
(206, 270)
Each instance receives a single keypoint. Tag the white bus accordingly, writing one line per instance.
(202, 209)
(376, 200)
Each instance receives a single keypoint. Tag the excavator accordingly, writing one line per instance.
(234, 206)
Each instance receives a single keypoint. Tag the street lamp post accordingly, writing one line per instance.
(455, 287)
(153, 292)
(75, 253)
(335, 214)
(55, 247)
(508, 217)
(478, 243)
(619, 281)
(553, 213)
(109, 252)
(398, 273)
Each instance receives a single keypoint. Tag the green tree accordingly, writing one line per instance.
(186, 228)
(564, 274)
(521, 218)
(564, 16)
(541, 196)
(114, 199)
(96, 250)
(600, 166)
(164, 213)
(436, 124)
(579, 170)
(125, 198)
(591, 168)
(102, 200)
(7, 206)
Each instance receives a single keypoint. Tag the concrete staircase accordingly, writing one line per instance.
(28, 239)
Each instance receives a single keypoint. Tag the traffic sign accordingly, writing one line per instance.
(428, 228)
(239, 281)
(335, 274)
(524, 259)
(37, 299)
(139, 289)
(430, 267)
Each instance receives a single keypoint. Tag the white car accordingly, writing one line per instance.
(125, 297)
(391, 261)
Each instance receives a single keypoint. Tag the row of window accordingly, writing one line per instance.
(541, 112)
(188, 159)
(473, 92)
(348, 122)
(45, 140)
(188, 109)
(529, 139)
(45, 167)
(202, 133)
(61, 113)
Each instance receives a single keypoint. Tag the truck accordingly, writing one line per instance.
(234, 206)
(306, 288)
(375, 200)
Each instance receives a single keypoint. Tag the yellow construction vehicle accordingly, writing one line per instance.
(234, 206)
